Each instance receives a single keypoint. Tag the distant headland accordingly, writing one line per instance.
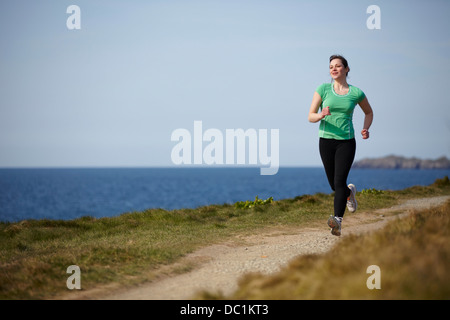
(399, 162)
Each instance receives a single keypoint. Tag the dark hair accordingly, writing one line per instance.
(344, 61)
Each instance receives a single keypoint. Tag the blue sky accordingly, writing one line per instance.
(111, 93)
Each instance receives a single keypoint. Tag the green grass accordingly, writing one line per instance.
(130, 248)
(413, 255)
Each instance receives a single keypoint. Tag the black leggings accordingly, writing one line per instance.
(337, 157)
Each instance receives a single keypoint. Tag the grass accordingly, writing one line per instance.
(130, 248)
(413, 255)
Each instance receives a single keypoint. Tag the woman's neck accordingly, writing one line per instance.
(340, 84)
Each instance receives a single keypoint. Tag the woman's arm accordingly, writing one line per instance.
(313, 116)
(368, 118)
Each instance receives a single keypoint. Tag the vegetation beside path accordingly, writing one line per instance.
(409, 259)
(131, 248)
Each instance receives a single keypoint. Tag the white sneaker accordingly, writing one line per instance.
(351, 201)
(335, 224)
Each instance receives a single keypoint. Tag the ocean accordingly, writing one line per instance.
(105, 192)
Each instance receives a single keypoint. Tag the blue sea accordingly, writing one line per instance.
(72, 193)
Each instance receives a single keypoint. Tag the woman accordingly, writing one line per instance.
(337, 145)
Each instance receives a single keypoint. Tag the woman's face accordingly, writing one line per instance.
(337, 69)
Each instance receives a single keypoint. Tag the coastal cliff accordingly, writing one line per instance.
(399, 162)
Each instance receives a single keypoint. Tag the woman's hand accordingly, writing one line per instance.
(314, 115)
(325, 112)
(365, 133)
(368, 117)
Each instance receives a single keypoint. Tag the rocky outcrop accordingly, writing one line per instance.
(398, 162)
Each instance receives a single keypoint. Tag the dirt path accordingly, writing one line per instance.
(218, 267)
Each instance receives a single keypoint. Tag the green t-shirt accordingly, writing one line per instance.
(339, 124)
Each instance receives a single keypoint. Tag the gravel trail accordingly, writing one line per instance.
(217, 268)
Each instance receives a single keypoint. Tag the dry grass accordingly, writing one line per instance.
(413, 255)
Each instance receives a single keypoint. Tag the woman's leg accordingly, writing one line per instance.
(337, 158)
(327, 149)
(344, 156)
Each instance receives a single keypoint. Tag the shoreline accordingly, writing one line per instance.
(70, 195)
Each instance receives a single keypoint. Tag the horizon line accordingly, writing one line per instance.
(199, 166)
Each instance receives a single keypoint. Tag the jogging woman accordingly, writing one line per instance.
(337, 144)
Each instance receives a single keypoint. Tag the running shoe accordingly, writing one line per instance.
(335, 226)
(351, 200)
